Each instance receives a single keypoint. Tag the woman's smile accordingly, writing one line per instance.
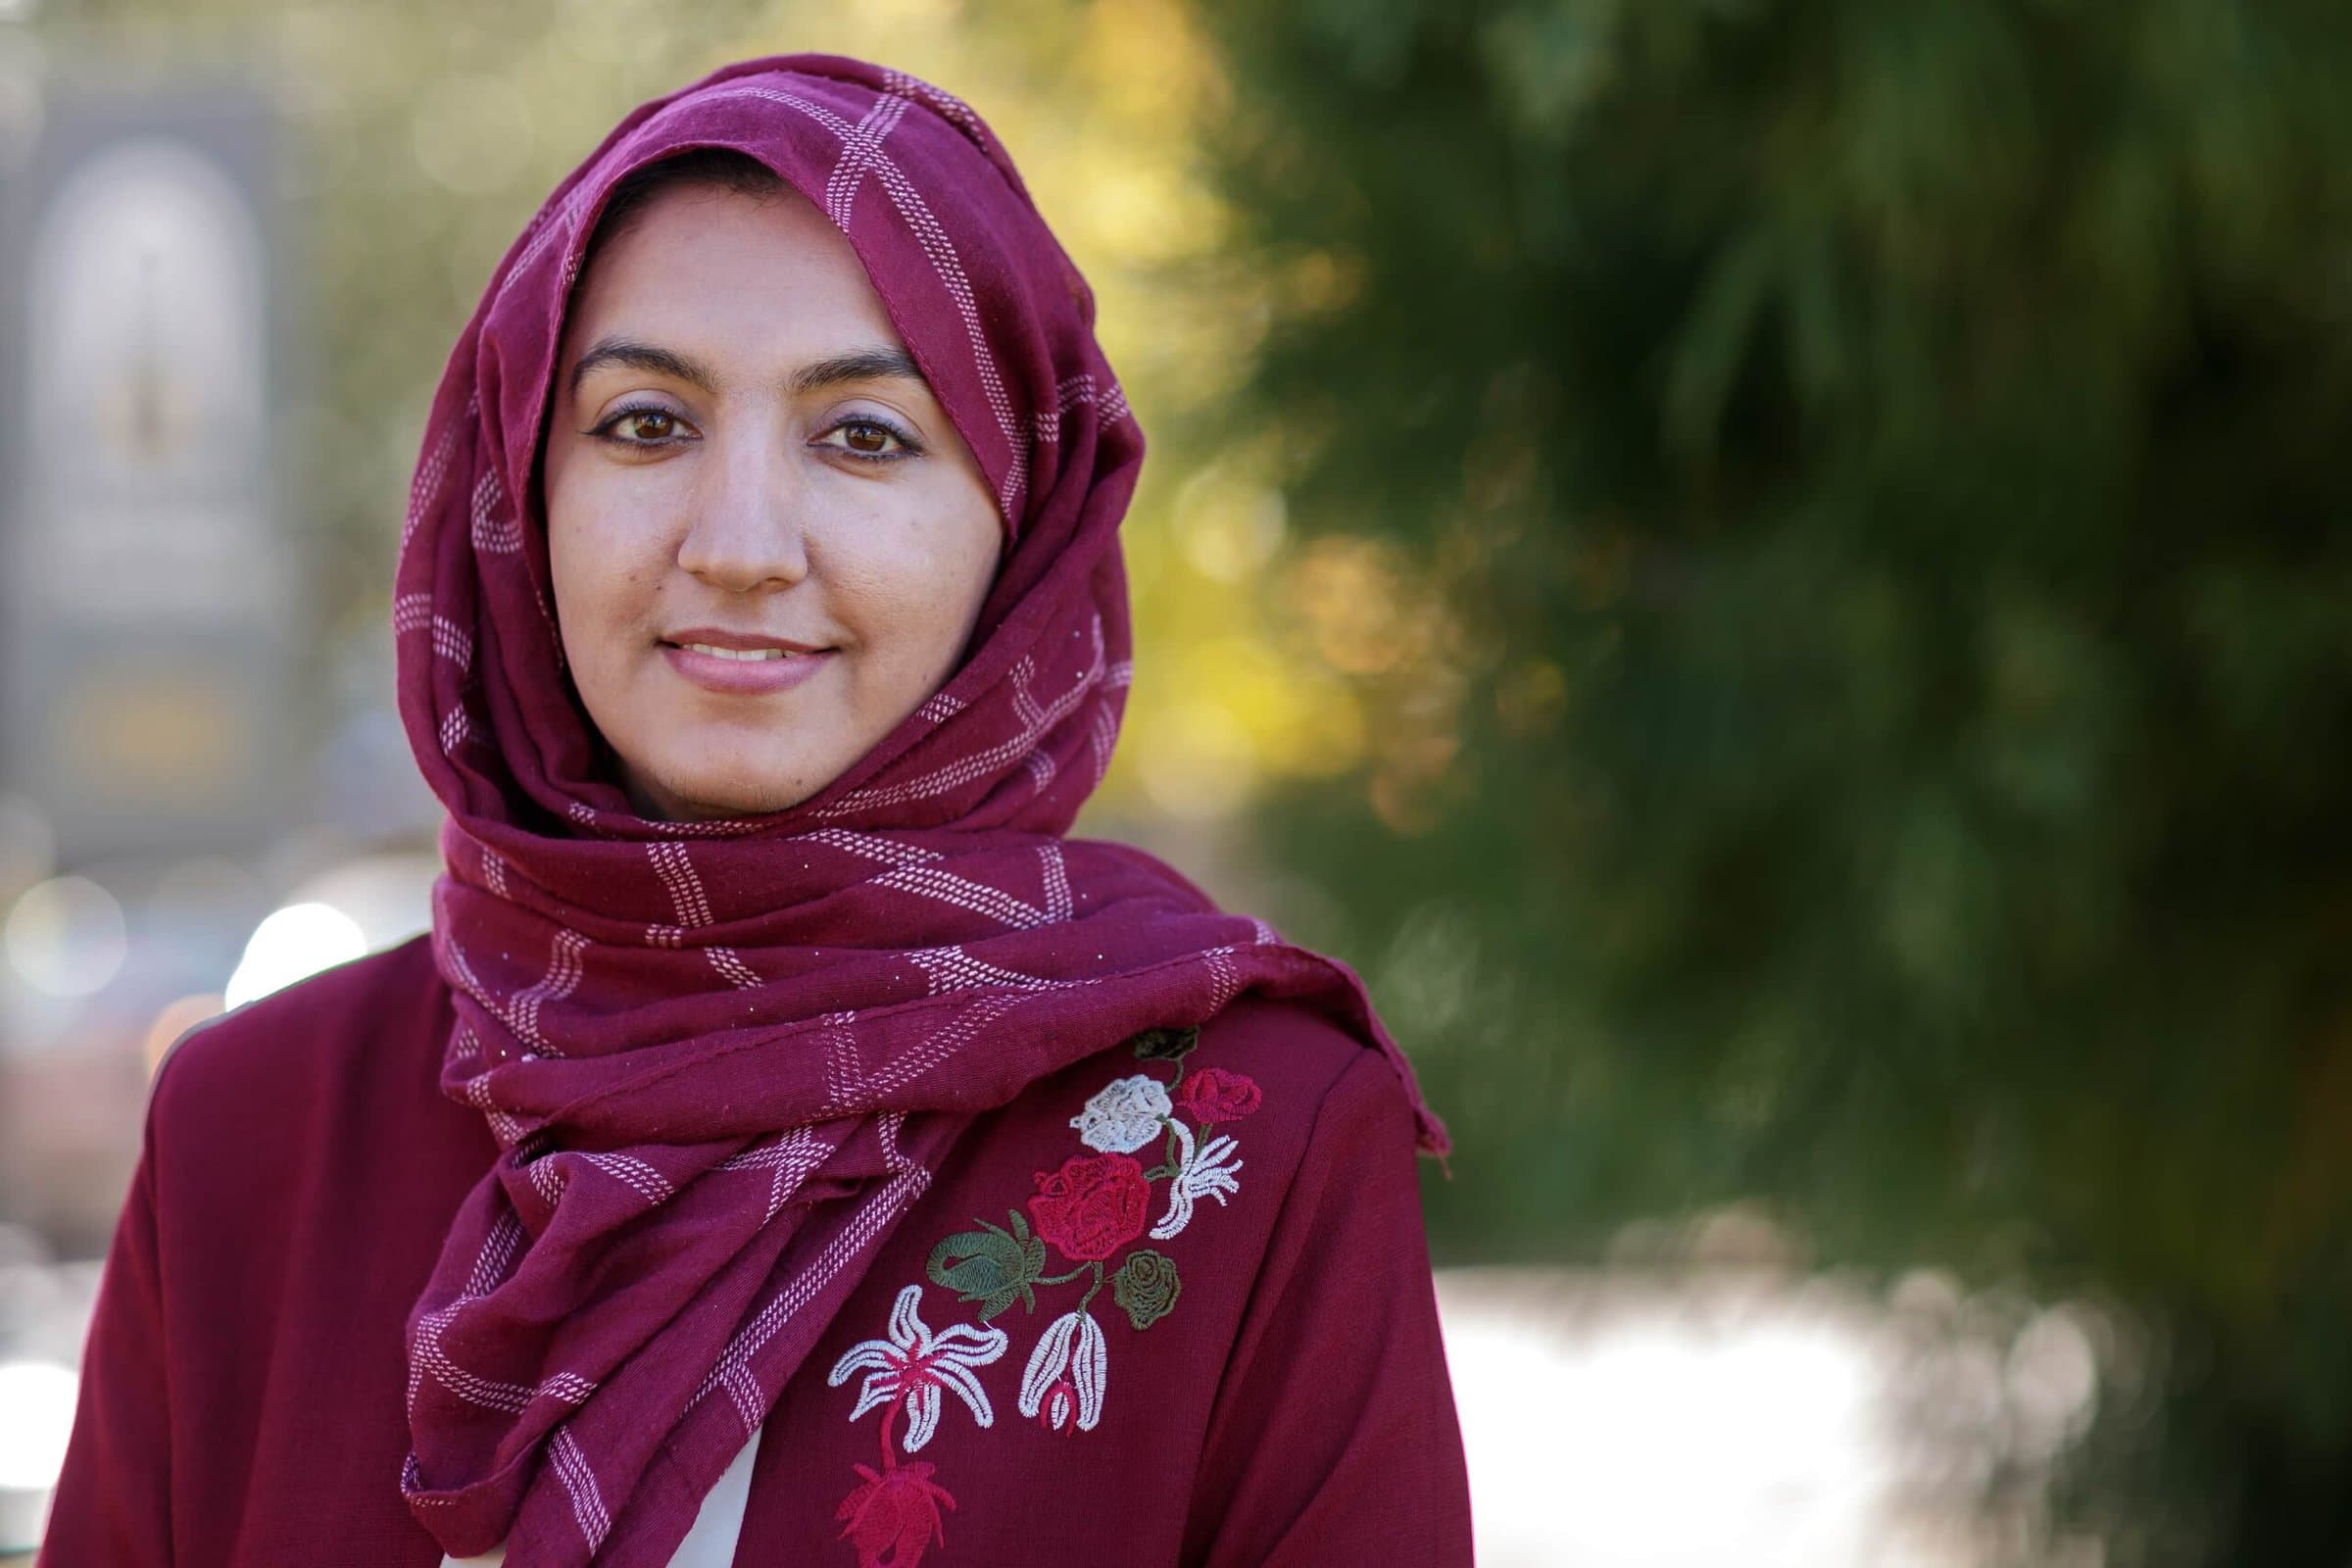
(732, 664)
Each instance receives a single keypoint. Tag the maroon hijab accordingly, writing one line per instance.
(722, 1059)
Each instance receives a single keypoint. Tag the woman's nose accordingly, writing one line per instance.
(746, 530)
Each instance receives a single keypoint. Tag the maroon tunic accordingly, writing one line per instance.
(1256, 1381)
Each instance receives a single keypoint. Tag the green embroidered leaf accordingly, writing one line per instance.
(1166, 1044)
(1033, 1256)
(990, 1265)
(1146, 1285)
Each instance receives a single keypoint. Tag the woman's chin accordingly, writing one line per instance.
(695, 795)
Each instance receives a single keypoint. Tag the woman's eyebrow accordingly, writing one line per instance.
(877, 363)
(651, 358)
(859, 364)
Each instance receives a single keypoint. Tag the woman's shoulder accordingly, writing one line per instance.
(352, 1038)
(1334, 1086)
(1280, 1035)
(319, 1099)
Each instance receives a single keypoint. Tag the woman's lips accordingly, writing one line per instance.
(744, 677)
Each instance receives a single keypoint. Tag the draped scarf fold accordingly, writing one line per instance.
(722, 1059)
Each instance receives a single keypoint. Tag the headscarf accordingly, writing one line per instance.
(722, 1059)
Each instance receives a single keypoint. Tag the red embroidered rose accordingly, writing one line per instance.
(1214, 1095)
(1092, 1207)
(894, 1515)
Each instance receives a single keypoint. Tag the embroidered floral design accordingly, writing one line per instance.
(1146, 1285)
(1203, 1172)
(1066, 1373)
(1166, 1044)
(1092, 1207)
(894, 1515)
(1124, 1116)
(913, 1365)
(1214, 1094)
(991, 1266)
(1089, 1210)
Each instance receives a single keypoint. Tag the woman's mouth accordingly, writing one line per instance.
(747, 654)
(744, 670)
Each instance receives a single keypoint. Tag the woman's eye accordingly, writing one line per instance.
(640, 428)
(872, 439)
(650, 426)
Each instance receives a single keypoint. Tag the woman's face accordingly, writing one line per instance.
(769, 543)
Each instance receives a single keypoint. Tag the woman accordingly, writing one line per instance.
(789, 1146)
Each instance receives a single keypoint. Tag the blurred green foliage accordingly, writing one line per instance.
(1877, 472)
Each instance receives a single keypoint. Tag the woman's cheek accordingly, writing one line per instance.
(628, 564)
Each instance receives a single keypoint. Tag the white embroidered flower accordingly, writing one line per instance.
(913, 1364)
(1200, 1173)
(1065, 1379)
(1124, 1116)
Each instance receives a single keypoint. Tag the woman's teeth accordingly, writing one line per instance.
(746, 654)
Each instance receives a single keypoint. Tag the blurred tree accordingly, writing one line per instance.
(1833, 515)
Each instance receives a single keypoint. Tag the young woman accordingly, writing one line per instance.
(788, 1145)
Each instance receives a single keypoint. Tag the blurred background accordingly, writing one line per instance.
(1772, 571)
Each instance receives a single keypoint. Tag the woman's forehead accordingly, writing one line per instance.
(709, 285)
